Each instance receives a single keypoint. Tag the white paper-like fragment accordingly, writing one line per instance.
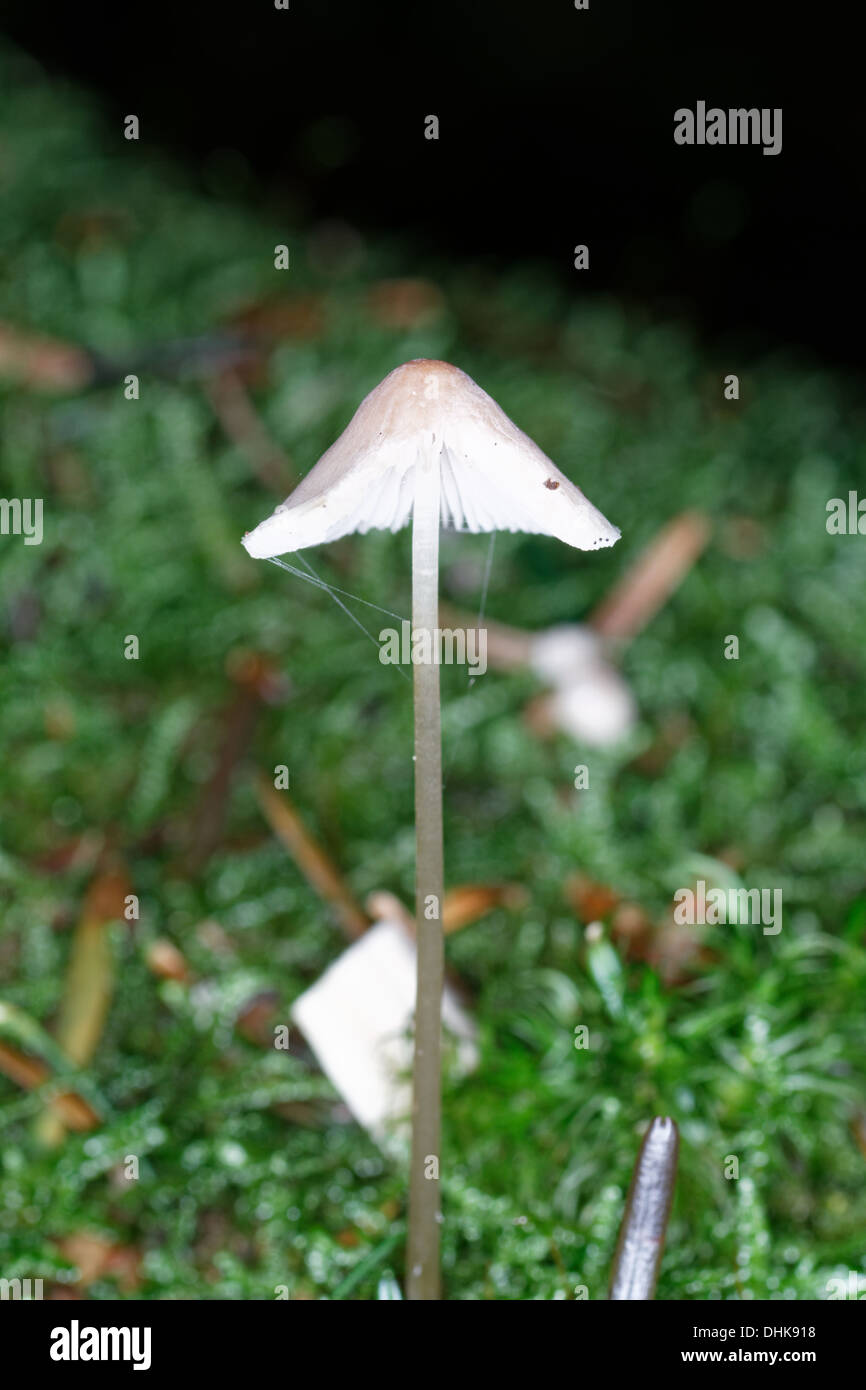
(355, 1019)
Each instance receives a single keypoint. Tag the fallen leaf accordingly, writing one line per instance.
(30, 1072)
(96, 1257)
(590, 900)
(44, 363)
(469, 901)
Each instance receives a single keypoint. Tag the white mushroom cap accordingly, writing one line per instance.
(564, 653)
(598, 709)
(590, 700)
(493, 477)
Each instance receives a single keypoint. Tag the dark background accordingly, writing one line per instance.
(556, 128)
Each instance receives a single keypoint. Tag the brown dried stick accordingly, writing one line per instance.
(42, 363)
(29, 1073)
(508, 648)
(239, 418)
(310, 858)
(647, 585)
(626, 609)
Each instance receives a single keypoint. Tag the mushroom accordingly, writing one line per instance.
(429, 444)
(589, 699)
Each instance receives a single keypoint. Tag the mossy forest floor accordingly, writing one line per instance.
(251, 1176)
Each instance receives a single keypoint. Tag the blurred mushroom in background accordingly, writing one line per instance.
(588, 698)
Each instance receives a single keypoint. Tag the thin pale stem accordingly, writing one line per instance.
(422, 1255)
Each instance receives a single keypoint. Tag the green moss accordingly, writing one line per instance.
(251, 1178)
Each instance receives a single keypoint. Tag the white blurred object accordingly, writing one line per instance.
(590, 700)
(356, 1020)
(388, 1289)
(598, 708)
(563, 653)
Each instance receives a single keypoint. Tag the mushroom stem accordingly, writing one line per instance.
(422, 1262)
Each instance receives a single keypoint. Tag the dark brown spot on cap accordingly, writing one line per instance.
(551, 483)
